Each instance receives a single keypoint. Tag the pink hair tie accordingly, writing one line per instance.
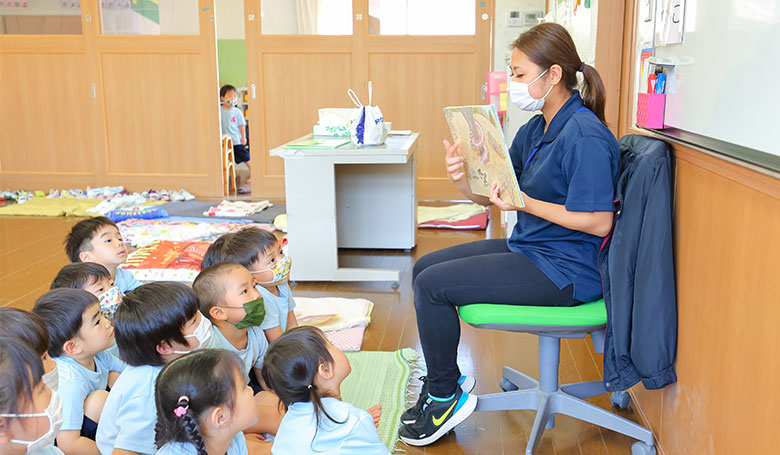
(182, 409)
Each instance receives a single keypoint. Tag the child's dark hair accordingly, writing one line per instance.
(62, 310)
(150, 314)
(225, 89)
(20, 373)
(188, 387)
(292, 363)
(210, 287)
(82, 233)
(79, 275)
(214, 254)
(26, 327)
(241, 247)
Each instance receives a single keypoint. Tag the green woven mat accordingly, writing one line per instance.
(380, 377)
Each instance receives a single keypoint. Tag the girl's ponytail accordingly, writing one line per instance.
(292, 363)
(190, 426)
(592, 92)
(187, 388)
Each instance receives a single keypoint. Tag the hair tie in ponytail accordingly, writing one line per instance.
(182, 406)
(582, 67)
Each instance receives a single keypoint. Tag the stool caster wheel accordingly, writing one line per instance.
(620, 400)
(395, 285)
(507, 386)
(640, 448)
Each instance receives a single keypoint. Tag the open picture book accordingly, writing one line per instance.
(486, 154)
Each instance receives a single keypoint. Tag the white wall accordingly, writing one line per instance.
(504, 35)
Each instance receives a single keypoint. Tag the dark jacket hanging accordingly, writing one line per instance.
(637, 268)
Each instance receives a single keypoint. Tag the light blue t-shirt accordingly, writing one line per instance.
(276, 307)
(48, 450)
(231, 119)
(254, 352)
(357, 435)
(125, 281)
(129, 415)
(237, 447)
(76, 382)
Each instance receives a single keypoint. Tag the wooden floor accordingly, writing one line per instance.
(31, 253)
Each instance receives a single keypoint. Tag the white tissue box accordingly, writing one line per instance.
(328, 130)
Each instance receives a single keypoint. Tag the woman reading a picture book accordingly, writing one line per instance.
(567, 164)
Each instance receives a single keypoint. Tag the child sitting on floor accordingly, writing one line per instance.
(228, 298)
(155, 323)
(306, 370)
(79, 335)
(98, 240)
(30, 329)
(93, 278)
(261, 254)
(30, 413)
(203, 405)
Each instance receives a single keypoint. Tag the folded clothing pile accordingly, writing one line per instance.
(237, 209)
(458, 216)
(344, 321)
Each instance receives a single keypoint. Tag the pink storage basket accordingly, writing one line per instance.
(650, 110)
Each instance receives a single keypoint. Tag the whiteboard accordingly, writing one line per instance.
(726, 85)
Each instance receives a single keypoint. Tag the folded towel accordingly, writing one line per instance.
(450, 213)
(237, 208)
(333, 313)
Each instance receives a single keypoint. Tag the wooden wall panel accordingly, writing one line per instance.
(727, 255)
(46, 114)
(295, 86)
(414, 100)
(154, 114)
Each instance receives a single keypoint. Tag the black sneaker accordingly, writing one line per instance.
(466, 383)
(437, 418)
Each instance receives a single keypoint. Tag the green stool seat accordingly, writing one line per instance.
(545, 395)
(580, 318)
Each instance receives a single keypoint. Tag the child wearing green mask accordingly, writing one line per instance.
(229, 299)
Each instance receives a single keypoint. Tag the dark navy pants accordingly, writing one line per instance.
(478, 272)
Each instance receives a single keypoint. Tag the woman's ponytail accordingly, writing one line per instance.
(550, 44)
(592, 92)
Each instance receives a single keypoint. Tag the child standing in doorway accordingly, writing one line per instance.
(233, 123)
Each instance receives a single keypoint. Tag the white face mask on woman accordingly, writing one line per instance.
(521, 97)
(54, 413)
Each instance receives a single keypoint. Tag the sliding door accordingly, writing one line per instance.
(127, 94)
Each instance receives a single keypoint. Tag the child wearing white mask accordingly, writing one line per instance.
(79, 336)
(30, 329)
(261, 253)
(30, 412)
(93, 278)
(156, 323)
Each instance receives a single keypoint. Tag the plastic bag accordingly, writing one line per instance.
(367, 126)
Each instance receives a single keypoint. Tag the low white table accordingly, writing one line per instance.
(348, 197)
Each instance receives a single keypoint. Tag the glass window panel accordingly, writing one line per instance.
(40, 17)
(306, 17)
(150, 17)
(421, 17)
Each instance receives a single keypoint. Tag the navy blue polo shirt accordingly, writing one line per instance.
(576, 163)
